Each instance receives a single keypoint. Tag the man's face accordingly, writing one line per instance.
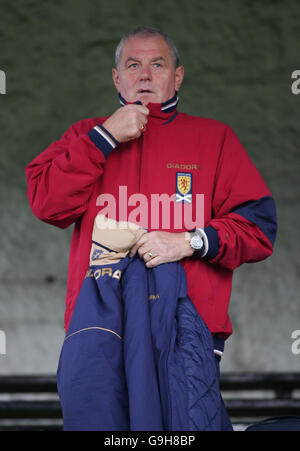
(146, 71)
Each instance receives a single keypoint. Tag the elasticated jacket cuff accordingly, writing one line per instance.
(102, 139)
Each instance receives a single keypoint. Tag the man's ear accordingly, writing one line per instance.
(115, 77)
(179, 75)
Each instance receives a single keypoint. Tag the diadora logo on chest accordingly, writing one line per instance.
(184, 186)
(184, 166)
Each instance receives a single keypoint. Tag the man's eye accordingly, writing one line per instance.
(133, 66)
(157, 65)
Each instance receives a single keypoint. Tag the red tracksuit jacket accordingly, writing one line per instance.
(178, 155)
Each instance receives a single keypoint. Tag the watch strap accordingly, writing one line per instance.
(205, 247)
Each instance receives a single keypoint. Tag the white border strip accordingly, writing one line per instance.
(105, 136)
(91, 328)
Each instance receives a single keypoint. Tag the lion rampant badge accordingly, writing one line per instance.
(184, 187)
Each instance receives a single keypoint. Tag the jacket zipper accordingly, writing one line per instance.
(141, 156)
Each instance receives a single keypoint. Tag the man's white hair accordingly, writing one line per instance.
(147, 32)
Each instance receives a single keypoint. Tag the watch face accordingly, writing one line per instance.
(196, 242)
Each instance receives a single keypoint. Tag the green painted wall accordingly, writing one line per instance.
(238, 58)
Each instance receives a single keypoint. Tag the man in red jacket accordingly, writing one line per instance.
(187, 179)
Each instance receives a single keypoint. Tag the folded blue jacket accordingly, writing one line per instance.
(137, 356)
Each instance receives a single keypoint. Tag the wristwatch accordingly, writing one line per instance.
(196, 241)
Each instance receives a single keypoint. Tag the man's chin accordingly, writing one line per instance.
(147, 98)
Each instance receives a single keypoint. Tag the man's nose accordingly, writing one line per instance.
(145, 73)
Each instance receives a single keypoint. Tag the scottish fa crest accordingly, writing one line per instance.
(184, 187)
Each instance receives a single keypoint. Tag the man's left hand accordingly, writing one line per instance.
(162, 247)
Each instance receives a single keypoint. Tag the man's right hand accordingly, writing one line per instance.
(127, 123)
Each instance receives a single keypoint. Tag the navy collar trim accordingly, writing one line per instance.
(171, 104)
(166, 107)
